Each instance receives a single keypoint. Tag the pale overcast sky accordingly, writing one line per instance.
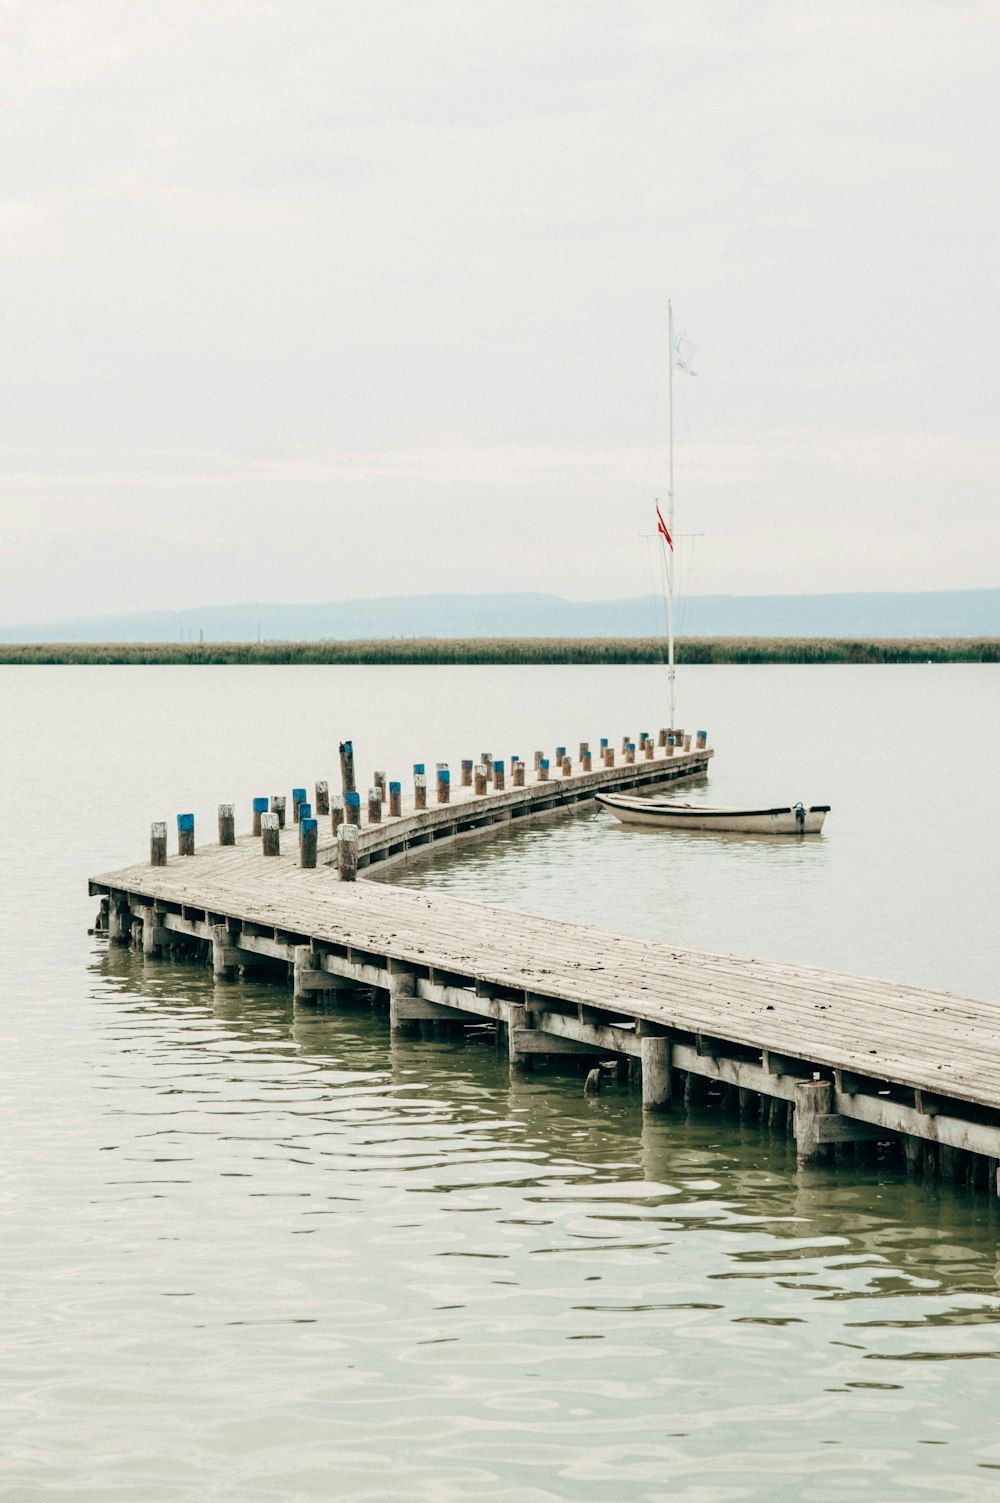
(309, 300)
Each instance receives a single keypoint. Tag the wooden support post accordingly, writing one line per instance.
(308, 840)
(227, 824)
(278, 808)
(152, 931)
(749, 1102)
(158, 843)
(487, 760)
(336, 811)
(479, 787)
(702, 740)
(661, 737)
(395, 800)
(813, 1099)
(402, 986)
(443, 784)
(586, 762)
(538, 759)
(630, 754)
(560, 755)
(298, 798)
(374, 806)
(352, 809)
(626, 742)
(305, 812)
(322, 798)
(517, 1018)
(649, 750)
(466, 772)
(687, 744)
(119, 919)
(223, 965)
(655, 1057)
(259, 808)
(347, 853)
(498, 775)
(670, 746)
(584, 749)
(270, 830)
(381, 783)
(347, 782)
(420, 790)
(609, 756)
(517, 770)
(567, 767)
(543, 770)
(185, 834)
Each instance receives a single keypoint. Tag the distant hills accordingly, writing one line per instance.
(939, 613)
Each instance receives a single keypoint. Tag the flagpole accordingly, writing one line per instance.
(668, 554)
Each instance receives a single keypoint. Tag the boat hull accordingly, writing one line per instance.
(654, 814)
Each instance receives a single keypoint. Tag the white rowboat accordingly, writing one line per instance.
(791, 819)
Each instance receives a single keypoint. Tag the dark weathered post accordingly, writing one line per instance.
(270, 831)
(420, 790)
(259, 808)
(305, 812)
(374, 806)
(336, 811)
(158, 843)
(443, 784)
(298, 797)
(584, 749)
(395, 800)
(670, 746)
(466, 772)
(308, 839)
(322, 798)
(480, 783)
(625, 743)
(185, 834)
(487, 760)
(538, 759)
(702, 741)
(347, 853)
(379, 779)
(543, 770)
(352, 810)
(499, 775)
(517, 773)
(347, 767)
(278, 808)
(560, 755)
(227, 824)
(661, 736)
(567, 767)
(649, 749)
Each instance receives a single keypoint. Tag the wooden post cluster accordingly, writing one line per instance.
(322, 798)
(308, 839)
(185, 834)
(347, 853)
(227, 824)
(158, 843)
(259, 808)
(270, 831)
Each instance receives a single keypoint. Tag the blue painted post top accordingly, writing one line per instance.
(307, 825)
(643, 737)
(703, 733)
(444, 776)
(185, 821)
(347, 746)
(560, 752)
(305, 811)
(604, 740)
(631, 746)
(352, 800)
(543, 762)
(498, 766)
(299, 795)
(395, 787)
(418, 767)
(260, 805)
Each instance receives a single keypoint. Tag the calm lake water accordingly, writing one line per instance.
(254, 1252)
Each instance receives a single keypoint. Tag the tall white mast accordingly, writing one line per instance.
(668, 553)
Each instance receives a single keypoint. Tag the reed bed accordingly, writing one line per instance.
(516, 650)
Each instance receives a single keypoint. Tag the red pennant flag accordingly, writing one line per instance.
(661, 527)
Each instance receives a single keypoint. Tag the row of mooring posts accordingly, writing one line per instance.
(486, 775)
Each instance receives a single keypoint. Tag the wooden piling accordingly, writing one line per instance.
(322, 798)
(336, 811)
(352, 809)
(661, 736)
(347, 782)
(402, 988)
(347, 852)
(395, 800)
(499, 776)
(609, 756)
(259, 808)
(670, 746)
(702, 740)
(158, 843)
(813, 1099)
(443, 784)
(630, 753)
(649, 751)
(538, 759)
(655, 1059)
(586, 762)
(466, 772)
(374, 806)
(567, 767)
(185, 834)
(298, 798)
(420, 790)
(543, 770)
(308, 840)
(584, 749)
(270, 830)
(278, 808)
(517, 774)
(479, 787)
(381, 783)
(227, 824)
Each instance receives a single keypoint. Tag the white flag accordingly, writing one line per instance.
(684, 353)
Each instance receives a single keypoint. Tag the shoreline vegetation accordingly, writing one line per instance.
(521, 651)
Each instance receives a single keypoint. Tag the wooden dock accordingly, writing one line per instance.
(835, 1059)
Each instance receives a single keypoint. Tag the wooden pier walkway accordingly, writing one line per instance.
(835, 1058)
